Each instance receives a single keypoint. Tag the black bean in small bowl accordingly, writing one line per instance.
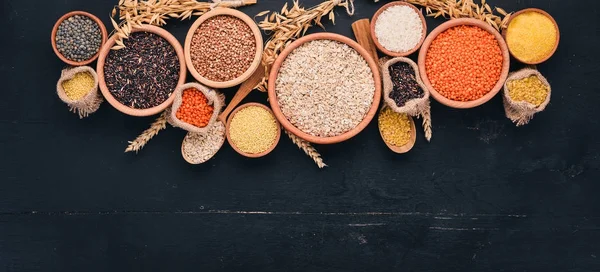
(77, 38)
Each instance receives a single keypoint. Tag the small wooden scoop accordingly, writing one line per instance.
(362, 32)
(242, 92)
(411, 142)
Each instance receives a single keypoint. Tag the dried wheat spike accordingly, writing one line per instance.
(139, 142)
(292, 23)
(464, 9)
(307, 148)
(426, 115)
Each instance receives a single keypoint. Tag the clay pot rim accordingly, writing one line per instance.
(257, 55)
(503, 75)
(250, 155)
(380, 46)
(124, 108)
(55, 29)
(504, 32)
(311, 138)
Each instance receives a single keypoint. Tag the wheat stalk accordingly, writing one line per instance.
(139, 142)
(134, 13)
(307, 148)
(426, 115)
(465, 9)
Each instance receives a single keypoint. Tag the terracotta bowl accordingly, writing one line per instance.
(503, 74)
(311, 138)
(257, 56)
(504, 31)
(392, 53)
(124, 108)
(251, 155)
(67, 16)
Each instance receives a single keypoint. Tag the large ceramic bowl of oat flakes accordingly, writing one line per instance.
(324, 88)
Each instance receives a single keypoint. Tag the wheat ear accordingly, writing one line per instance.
(307, 148)
(139, 142)
(426, 115)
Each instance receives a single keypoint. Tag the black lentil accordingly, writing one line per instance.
(405, 84)
(144, 73)
(78, 38)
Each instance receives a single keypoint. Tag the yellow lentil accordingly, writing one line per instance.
(253, 130)
(530, 89)
(531, 36)
(395, 127)
(78, 86)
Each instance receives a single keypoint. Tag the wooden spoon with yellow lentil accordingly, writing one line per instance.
(397, 130)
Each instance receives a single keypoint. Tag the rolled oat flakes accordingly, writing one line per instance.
(325, 88)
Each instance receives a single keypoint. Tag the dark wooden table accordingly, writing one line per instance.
(482, 196)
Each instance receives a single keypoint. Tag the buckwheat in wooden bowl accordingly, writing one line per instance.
(403, 28)
(324, 88)
(223, 48)
(464, 63)
(80, 36)
(140, 79)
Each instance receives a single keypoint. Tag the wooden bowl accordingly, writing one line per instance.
(392, 53)
(288, 125)
(55, 29)
(504, 32)
(411, 142)
(252, 155)
(257, 56)
(459, 22)
(124, 108)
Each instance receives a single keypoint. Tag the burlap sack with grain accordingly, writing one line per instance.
(90, 102)
(216, 99)
(416, 107)
(521, 112)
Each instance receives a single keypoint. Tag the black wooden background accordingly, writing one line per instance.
(482, 196)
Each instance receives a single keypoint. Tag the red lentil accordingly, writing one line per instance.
(194, 108)
(464, 63)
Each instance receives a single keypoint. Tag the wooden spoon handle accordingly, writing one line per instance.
(362, 32)
(243, 91)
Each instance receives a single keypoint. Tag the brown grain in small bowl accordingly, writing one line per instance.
(124, 108)
(257, 56)
(459, 22)
(252, 155)
(381, 47)
(308, 137)
(55, 29)
(504, 31)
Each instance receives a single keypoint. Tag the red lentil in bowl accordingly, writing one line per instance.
(464, 63)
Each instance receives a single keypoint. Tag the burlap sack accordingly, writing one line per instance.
(89, 103)
(417, 107)
(521, 112)
(216, 99)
